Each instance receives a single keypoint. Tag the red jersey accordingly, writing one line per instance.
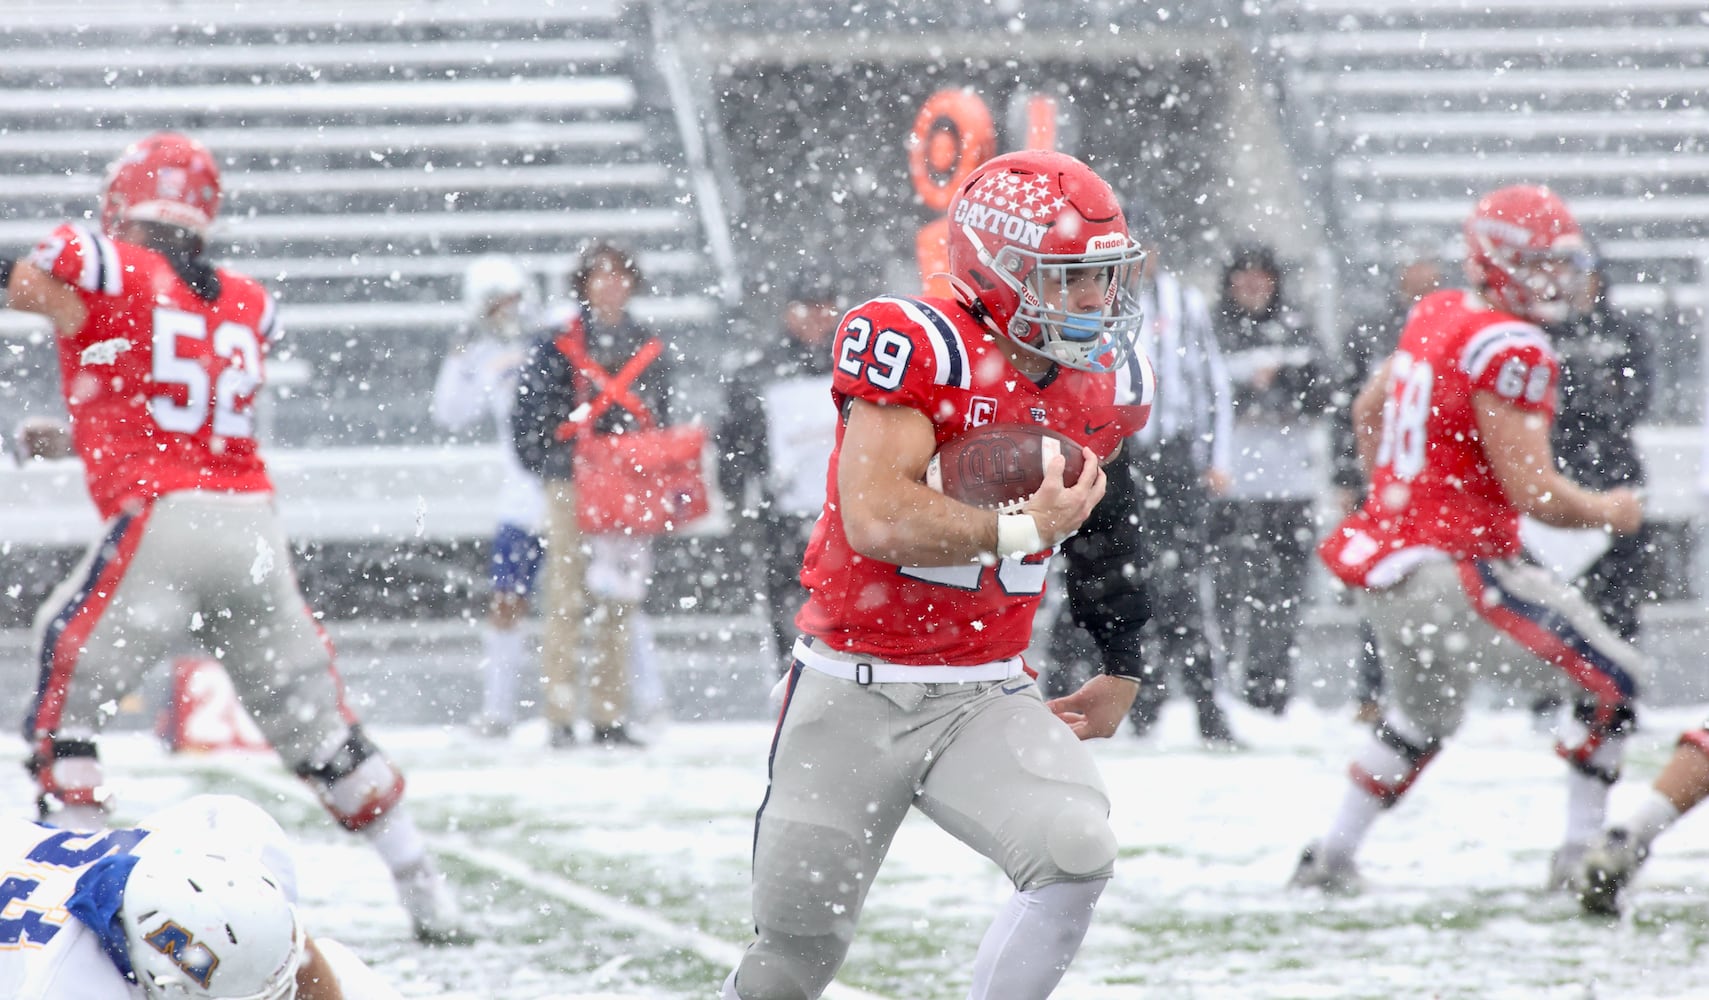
(160, 384)
(931, 356)
(1432, 490)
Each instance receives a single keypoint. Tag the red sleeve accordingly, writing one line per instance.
(1514, 361)
(885, 356)
(82, 258)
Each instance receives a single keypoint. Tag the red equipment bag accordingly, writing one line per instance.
(645, 481)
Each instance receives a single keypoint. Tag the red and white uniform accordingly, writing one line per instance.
(160, 384)
(930, 355)
(1432, 492)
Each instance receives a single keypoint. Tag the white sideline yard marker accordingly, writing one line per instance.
(714, 950)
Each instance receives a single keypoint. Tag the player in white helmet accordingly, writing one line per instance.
(473, 395)
(196, 903)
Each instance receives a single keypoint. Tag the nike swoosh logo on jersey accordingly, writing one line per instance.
(1018, 688)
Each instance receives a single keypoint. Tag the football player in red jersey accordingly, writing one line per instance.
(907, 687)
(161, 357)
(1453, 432)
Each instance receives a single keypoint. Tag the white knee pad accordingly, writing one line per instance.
(1079, 843)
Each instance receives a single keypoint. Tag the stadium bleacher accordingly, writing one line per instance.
(367, 154)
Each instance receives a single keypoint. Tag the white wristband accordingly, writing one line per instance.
(1017, 535)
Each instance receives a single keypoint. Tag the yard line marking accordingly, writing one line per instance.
(609, 908)
(715, 950)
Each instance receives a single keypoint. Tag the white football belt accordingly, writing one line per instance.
(865, 671)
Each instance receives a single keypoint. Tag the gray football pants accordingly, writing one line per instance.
(987, 762)
(1502, 620)
(193, 569)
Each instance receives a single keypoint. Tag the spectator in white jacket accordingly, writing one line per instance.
(474, 394)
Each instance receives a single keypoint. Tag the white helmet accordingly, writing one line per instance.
(213, 821)
(209, 927)
(488, 282)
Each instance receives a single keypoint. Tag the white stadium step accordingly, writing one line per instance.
(1483, 167)
(1509, 10)
(653, 262)
(1503, 82)
(561, 95)
(106, 143)
(57, 15)
(1586, 210)
(1524, 125)
(367, 227)
(381, 317)
(1551, 42)
(334, 55)
(379, 179)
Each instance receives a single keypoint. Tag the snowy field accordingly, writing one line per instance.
(597, 873)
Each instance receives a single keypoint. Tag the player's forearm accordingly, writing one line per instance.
(1556, 500)
(1366, 439)
(1367, 417)
(316, 979)
(30, 289)
(913, 525)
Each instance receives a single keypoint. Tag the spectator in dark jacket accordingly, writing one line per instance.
(598, 581)
(775, 445)
(1606, 374)
(1283, 385)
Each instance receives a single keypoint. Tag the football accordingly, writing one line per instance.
(998, 466)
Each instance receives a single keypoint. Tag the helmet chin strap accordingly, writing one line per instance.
(969, 301)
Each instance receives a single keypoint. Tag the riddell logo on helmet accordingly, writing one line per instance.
(1108, 241)
(1501, 231)
(999, 223)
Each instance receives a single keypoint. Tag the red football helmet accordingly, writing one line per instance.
(1525, 253)
(1039, 248)
(166, 177)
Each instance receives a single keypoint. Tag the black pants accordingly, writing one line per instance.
(1259, 560)
(1173, 529)
(1368, 680)
(1618, 583)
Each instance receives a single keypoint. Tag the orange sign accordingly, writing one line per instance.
(1041, 122)
(952, 135)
